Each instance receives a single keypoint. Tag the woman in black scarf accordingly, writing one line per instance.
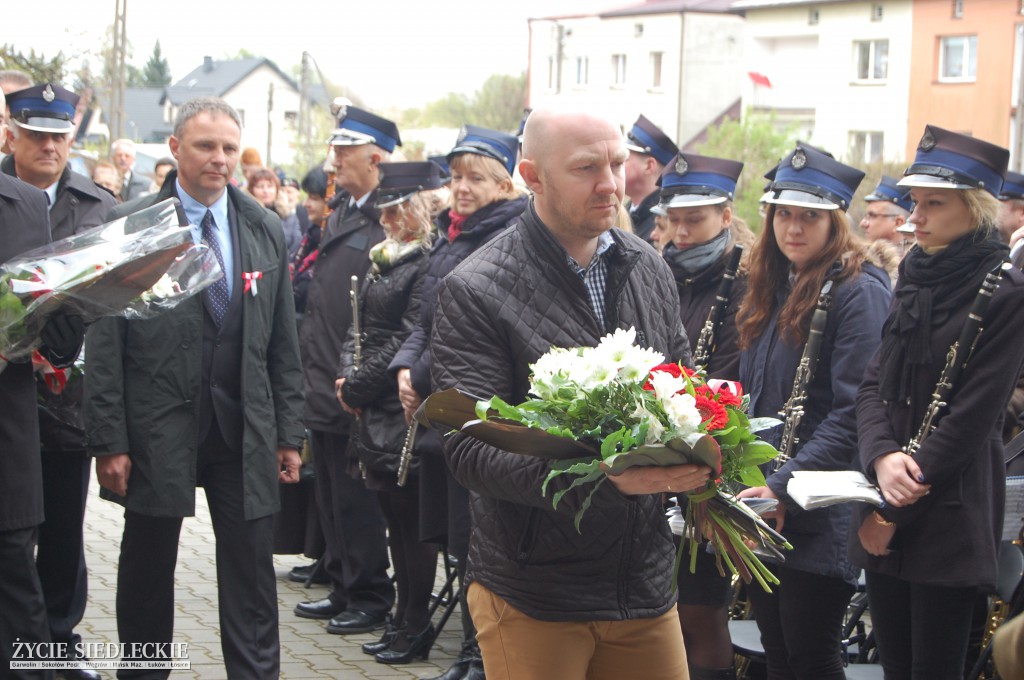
(932, 546)
(700, 236)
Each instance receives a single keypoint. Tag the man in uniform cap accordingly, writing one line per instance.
(889, 206)
(650, 151)
(40, 135)
(356, 558)
(1011, 205)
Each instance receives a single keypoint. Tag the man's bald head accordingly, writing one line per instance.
(573, 162)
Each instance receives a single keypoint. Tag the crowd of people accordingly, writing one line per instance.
(394, 279)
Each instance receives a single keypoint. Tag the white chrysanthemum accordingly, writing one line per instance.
(665, 384)
(682, 412)
(592, 371)
(630, 362)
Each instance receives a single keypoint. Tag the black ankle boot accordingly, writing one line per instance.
(475, 670)
(697, 673)
(457, 671)
(404, 648)
(385, 641)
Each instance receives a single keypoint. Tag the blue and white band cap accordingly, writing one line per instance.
(44, 108)
(811, 178)
(691, 180)
(1013, 186)
(647, 138)
(401, 181)
(951, 160)
(357, 127)
(888, 190)
(500, 146)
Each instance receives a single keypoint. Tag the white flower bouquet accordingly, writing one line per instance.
(595, 411)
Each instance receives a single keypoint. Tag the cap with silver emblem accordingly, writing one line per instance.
(888, 190)
(44, 108)
(646, 137)
(500, 146)
(400, 181)
(1013, 186)
(950, 160)
(692, 180)
(357, 127)
(812, 178)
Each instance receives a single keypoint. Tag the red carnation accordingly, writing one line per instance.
(712, 414)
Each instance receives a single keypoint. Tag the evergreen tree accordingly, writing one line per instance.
(156, 72)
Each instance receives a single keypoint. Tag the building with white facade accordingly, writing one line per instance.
(678, 62)
(837, 72)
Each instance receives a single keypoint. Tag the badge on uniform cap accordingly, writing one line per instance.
(48, 94)
(681, 166)
(927, 142)
(799, 160)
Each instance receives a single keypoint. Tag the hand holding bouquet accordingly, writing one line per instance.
(135, 266)
(597, 411)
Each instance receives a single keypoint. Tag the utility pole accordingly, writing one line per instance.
(270, 126)
(118, 70)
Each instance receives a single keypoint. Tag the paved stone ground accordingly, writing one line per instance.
(307, 651)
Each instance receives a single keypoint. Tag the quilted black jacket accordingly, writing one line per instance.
(499, 310)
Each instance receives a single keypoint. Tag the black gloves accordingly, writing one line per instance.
(62, 337)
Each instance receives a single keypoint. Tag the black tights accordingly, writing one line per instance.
(801, 624)
(414, 561)
(921, 630)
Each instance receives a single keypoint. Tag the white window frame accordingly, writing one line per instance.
(582, 71)
(618, 70)
(657, 61)
(872, 59)
(867, 140)
(970, 57)
(877, 12)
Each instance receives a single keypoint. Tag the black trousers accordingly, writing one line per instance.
(921, 630)
(60, 558)
(246, 583)
(356, 557)
(801, 624)
(22, 612)
(415, 562)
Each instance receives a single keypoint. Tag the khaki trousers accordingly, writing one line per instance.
(518, 647)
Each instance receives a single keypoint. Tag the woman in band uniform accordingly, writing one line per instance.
(806, 241)
(701, 232)
(934, 543)
(389, 307)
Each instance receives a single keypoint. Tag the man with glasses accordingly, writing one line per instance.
(889, 206)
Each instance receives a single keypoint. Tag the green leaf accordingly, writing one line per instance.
(755, 453)
(751, 476)
(761, 424)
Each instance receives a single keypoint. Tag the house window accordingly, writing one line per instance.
(876, 12)
(656, 59)
(813, 16)
(291, 118)
(872, 59)
(958, 58)
(618, 69)
(958, 9)
(582, 70)
(638, 30)
(551, 73)
(865, 147)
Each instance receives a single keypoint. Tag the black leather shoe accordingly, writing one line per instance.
(475, 670)
(355, 621)
(385, 641)
(457, 671)
(405, 648)
(318, 609)
(301, 575)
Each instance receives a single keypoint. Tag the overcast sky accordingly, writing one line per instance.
(390, 52)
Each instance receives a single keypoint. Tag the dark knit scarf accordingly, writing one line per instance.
(930, 289)
(697, 258)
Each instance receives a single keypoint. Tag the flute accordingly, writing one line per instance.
(357, 355)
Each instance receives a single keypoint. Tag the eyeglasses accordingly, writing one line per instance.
(874, 216)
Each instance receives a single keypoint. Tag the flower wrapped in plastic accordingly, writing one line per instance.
(596, 411)
(136, 266)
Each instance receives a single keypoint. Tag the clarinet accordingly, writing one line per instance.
(793, 411)
(956, 358)
(716, 315)
(357, 353)
(406, 457)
